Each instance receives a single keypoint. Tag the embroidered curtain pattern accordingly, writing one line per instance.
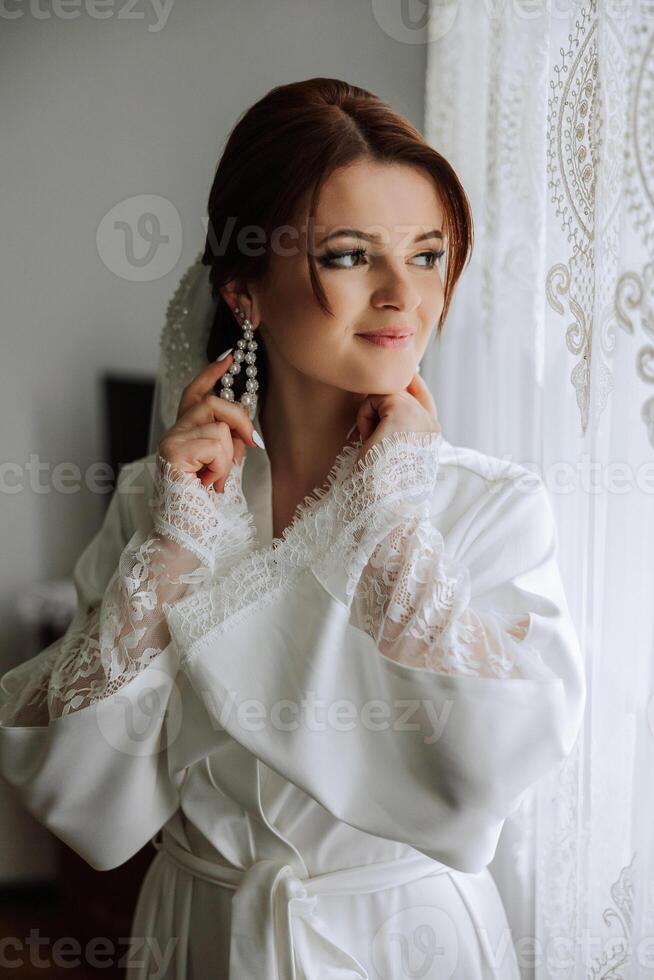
(546, 110)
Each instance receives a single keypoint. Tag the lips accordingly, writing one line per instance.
(384, 339)
(389, 332)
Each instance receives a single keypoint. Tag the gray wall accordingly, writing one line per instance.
(93, 112)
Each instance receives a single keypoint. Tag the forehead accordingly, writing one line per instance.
(371, 196)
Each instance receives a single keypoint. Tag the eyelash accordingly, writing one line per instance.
(328, 257)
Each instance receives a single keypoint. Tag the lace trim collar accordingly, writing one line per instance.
(256, 482)
(367, 490)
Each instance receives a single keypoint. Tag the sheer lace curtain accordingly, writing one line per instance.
(546, 110)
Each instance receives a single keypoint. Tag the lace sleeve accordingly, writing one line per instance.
(196, 531)
(413, 600)
(406, 592)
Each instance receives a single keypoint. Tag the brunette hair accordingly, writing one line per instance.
(285, 147)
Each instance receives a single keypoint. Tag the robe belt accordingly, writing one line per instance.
(275, 933)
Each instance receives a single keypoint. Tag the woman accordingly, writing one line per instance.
(319, 655)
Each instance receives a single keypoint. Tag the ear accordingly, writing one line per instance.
(237, 294)
(231, 294)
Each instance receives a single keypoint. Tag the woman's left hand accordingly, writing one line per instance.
(410, 410)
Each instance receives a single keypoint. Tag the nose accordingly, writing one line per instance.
(396, 288)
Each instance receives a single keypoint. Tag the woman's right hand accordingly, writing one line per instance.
(210, 434)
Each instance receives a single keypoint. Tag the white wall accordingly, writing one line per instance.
(95, 111)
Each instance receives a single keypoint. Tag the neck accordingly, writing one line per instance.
(304, 432)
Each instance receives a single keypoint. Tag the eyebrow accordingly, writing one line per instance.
(354, 233)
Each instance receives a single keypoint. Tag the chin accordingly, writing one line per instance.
(379, 385)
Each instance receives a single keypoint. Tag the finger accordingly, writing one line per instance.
(205, 459)
(234, 450)
(418, 388)
(203, 383)
(367, 417)
(212, 460)
(214, 408)
(218, 431)
(234, 447)
(239, 450)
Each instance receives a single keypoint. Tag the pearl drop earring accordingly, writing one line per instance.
(246, 348)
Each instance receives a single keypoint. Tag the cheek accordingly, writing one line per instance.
(435, 298)
(305, 337)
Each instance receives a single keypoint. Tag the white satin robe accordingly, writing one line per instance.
(318, 846)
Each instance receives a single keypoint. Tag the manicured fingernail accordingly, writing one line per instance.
(257, 438)
(221, 357)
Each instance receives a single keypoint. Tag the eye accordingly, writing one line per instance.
(433, 255)
(329, 258)
(333, 259)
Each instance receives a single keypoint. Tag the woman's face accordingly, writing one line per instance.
(388, 281)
